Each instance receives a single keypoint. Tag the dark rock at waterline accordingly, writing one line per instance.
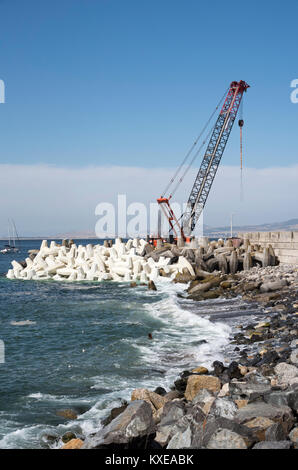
(48, 440)
(270, 357)
(160, 391)
(180, 385)
(68, 436)
(67, 414)
(233, 371)
(218, 368)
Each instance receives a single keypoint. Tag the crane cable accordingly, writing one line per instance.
(191, 149)
(191, 162)
(241, 124)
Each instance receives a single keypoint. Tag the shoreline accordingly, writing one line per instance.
(252, 402)
(251, 382)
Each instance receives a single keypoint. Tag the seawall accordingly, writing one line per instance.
(285, 244)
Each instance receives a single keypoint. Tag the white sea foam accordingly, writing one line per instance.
(23, 322)
(174, 347)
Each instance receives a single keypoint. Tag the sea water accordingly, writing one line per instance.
(85, 346)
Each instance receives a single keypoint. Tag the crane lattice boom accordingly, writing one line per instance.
(204, 179)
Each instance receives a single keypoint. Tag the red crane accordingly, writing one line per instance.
(199, 193)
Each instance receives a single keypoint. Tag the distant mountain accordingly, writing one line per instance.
(288, 225)
(81, 234)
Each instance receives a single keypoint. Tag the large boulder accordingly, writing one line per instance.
(224, 408)
(198, 382)
(130, 429)
(182, 439)
(212, 432)
(281, 414)
(287, 374)
(169, 422)
(259, 426)
(155, 400)
(226, 439)
(249, 390)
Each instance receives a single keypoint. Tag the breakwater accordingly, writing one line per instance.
(285, 244)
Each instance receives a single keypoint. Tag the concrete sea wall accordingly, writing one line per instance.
(285, 244)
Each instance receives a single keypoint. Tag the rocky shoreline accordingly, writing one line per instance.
(251, 402)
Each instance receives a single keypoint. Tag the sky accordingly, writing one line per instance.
(106, 96)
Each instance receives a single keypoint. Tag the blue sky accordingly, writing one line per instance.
(131, 83)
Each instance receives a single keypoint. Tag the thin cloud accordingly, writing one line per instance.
(47, 200)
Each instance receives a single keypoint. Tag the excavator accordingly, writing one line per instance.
(219, 134)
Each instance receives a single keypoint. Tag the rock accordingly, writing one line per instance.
(223, 408)
(218, 368)
(68, 436)
(168, 426)
(135, 424)
(113, 414)
(275, 433)
(250, 391)
(214, 426)
(202, 397)
(181, 440)
(133, 284)
(67, 414)
(160, 391)
(197, 382)
(259, 426)
(273, 445)
(172, 395)
(233, 371)
(266, 297)
(180, 384)
(294, 437)
(294, 357)
(200, 370)
(225, 284)
(73, 444)
(250, 286)
(243, 370)
(287, 374)
(273, 286)
(241, 403)
(282, 414)
(184, 277)
(224, 391)
(202, 287)
(151, 285)
(285, 398)
(49, 439)
(225, 439)
(155, 400)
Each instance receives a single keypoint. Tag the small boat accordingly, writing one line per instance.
(11, 246)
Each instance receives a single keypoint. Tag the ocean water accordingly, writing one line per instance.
(85, 346)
